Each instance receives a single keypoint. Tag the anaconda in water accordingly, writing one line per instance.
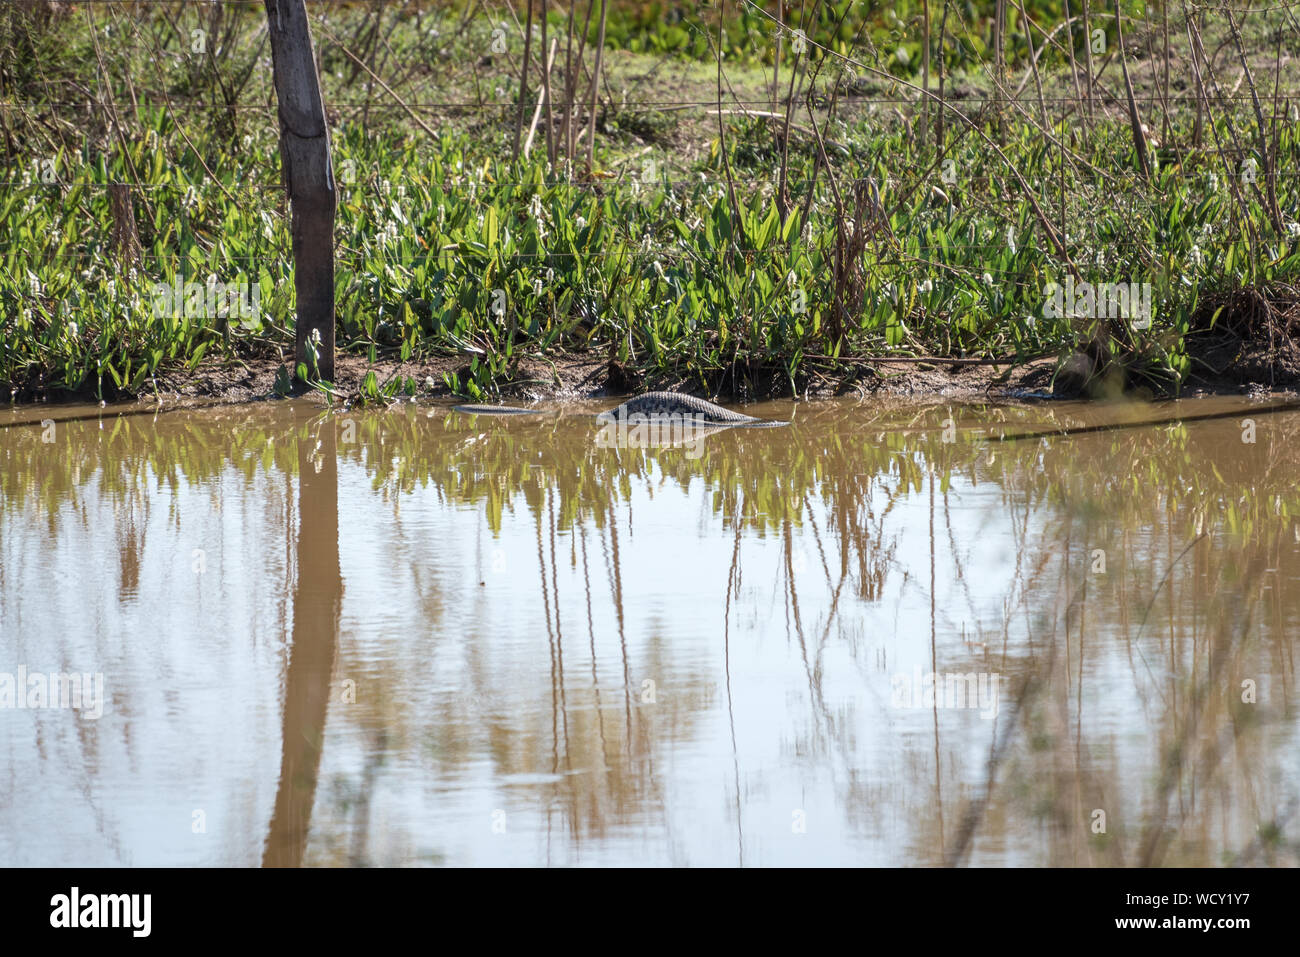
(651, 405)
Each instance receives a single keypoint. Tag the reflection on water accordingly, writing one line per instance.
(872, 637)
(317, 593)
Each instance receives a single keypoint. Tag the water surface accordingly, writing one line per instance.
(409, 636)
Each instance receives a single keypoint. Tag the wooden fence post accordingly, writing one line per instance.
(308, 175)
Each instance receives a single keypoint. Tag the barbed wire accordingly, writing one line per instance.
(500, 183)
(712, 103)
(669, 251)
(1194, 4)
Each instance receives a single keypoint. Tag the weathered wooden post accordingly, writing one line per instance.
(308, 175)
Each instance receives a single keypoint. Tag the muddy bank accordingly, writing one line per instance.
(228, 380)
(1226, 370)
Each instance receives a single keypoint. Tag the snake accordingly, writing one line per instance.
(650, 407)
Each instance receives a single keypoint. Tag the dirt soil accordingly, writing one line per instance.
(1225, 364)
(586, 377)
(581, 377)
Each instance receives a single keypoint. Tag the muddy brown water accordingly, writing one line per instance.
(409, 636)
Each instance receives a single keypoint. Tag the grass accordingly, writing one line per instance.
(674, 255)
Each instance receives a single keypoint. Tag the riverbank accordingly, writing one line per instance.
(720, 234)
(222, 381)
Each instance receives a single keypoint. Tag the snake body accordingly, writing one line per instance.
(673, 404)
(649, 407)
